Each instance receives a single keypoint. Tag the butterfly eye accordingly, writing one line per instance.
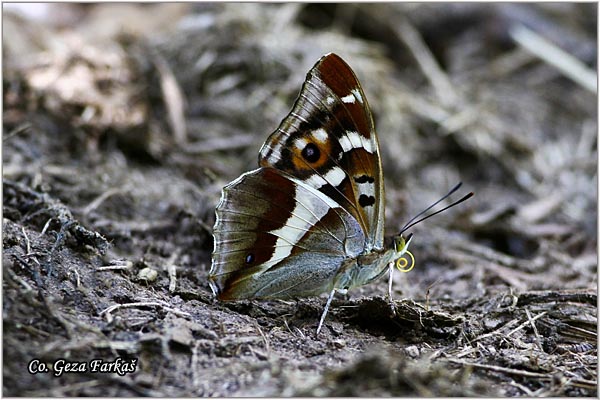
(249, 258)
(311, 153)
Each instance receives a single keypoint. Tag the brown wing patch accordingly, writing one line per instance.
(266, 216)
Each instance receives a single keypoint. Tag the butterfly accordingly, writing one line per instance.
(310, 219)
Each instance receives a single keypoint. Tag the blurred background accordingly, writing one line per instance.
(134, 116)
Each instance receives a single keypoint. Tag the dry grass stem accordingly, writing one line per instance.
(553, 55)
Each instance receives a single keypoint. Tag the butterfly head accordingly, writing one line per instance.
(405, 261)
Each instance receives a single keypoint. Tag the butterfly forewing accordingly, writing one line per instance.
(271, 234)
(328, 141)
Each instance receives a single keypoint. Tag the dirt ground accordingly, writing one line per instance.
(121, 124)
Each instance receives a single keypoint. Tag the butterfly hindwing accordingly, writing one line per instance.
(328, 141)
(271, 233)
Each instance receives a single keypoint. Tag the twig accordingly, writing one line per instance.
(17, 130)
(173, 98)
(100, 199)
(428, 292)
(529, 321)
(78, 280)
(287, 326)
(128, 264)
(172, 270)
(434, 73)
(584, 383)
(266, 342)
(535, 331)
(496, 368)
(427, 110)
(134, 226)
(468, 350)
(523, 388)
(110, 309)
(509, 62)
(553, 55)
(117, 345)
(300, 332)
(497, 331)
(584, 296)
(27, 242)
(45, 228)
(540, 208)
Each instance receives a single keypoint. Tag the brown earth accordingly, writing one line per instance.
(123, 122)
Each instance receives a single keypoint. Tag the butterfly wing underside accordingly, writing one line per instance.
(278, 237)
(329, 142)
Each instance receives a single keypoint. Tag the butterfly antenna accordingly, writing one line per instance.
(454, 189)
(410, 223)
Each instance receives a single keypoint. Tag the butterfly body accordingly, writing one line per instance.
(310, 219)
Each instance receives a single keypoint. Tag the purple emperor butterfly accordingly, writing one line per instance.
(311, 219)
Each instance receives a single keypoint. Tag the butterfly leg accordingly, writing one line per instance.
(343, 291)
(392, 306)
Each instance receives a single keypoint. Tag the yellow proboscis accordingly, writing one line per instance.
(402, 263)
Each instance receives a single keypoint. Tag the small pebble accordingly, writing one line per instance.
(148, 274)
(412, 351)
